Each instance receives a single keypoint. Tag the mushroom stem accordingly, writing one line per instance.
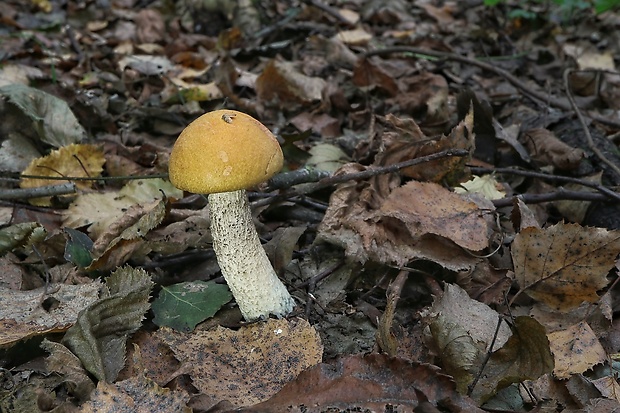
(242, 259)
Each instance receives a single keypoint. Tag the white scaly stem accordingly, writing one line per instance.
(242, 259)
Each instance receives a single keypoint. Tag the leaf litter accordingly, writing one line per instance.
(484, 281)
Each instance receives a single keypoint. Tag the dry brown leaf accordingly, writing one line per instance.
(575, 350)
(22, 314)
(125, 237)
(150, 356)
(608, 386)
(353, 222)
(247, 366)
(522, 216)
(428, 208)
(425, 96)
(135, 395)
(525, 356)
(547, 149)
(150, 26)
(336, 53)
(321, 123)
(485, 283)
(281, 246)
(460, 354)
(598, 316)
(576, 210)
(103, 210)
(75, 160)
(564, 265)
(478, 319)
(66, 364)
(369, 75)
(372, 382)
(547, 387)
(403, 140)
(282, 82)
(601, 405)
(189, 229)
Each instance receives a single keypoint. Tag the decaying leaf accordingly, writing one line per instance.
(417, 220)
(76, 160)
(461, 356)
(522, 216)
(369, 74)
(283, 82)
(22, 314)
(282, 245)
(19, 235)
(547, 149)
(98, 338)
(247, 366)
(63, 362)
(608, 386)
(485, 283)
(136, 395)
(525, 356)
(428, 208)
(146, 64)
(373, 382)
(453, 314)
(126, 236)
(326, 157)
(576, 349)
(485, 185)
(403, 140)
(425, 96)
(190, 229)
(565, 264)
(576, 210)
(102, 210)
(51, 117)
(355, 37)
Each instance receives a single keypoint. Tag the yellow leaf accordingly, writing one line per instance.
(75, 160)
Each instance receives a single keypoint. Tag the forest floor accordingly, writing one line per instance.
(446, 220)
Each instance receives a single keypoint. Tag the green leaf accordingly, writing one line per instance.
(601, 6)
(182, 306)
(51, 117)
(98, 337)
(78, 248)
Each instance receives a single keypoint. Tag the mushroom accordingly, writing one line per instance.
(222, 153)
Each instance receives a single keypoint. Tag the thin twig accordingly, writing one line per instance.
(470, 388)
(528, 91)
(539, 175)
(38, 192)
(100, 178)
(559, 195)
(320, 276)
(359, 176)
(584, 126)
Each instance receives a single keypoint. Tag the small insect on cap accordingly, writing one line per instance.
(224, 151)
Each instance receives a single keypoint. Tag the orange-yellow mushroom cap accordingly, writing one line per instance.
(223, 151)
